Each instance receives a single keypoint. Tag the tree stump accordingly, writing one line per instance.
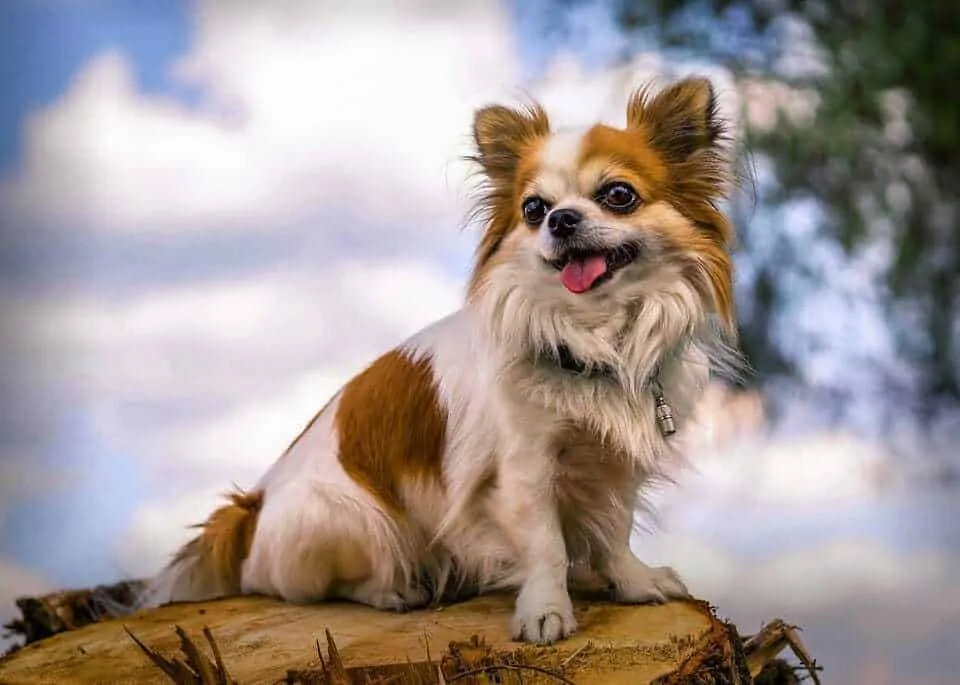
(263, 640)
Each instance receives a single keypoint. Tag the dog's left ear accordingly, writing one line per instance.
(680, 119)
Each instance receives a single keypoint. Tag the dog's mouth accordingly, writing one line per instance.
(581, 271)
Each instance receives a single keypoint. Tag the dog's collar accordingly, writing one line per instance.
(567, 361)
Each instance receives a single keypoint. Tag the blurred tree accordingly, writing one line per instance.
(880, 152)
(869, 129)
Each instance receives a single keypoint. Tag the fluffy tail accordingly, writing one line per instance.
(210, 565)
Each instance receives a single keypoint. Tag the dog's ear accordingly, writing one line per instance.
(679, 120)
(502, 134)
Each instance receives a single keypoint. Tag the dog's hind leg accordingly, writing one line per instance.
(313, 542)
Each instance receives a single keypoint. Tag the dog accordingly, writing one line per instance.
(510, 443)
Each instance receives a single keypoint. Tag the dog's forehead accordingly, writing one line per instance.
(561, 152)
(576, 160)
(560, 162)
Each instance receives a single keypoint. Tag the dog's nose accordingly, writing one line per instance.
(563, 222)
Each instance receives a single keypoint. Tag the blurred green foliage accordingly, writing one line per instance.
(880, 152)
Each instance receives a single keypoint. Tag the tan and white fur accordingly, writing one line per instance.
(470, 458)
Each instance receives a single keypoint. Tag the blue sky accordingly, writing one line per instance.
(210, 230)
(44, 42)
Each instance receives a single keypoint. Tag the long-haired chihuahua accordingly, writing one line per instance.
(510, 443)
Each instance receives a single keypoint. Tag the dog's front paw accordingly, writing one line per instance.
(542, 617)
(646, 585)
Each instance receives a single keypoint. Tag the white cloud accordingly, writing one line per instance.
(872, 589)
(305, 106)
(788, 470)
(214, 340)
(248, 437)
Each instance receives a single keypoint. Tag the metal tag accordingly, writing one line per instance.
(665, 417)
(664, 413)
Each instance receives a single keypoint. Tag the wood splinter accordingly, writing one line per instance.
(772, 639)
(197, 669)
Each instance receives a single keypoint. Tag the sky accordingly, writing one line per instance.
(213, 214)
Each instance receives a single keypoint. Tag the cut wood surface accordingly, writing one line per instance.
(263, 640)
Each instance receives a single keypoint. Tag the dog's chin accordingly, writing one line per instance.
(614, 260)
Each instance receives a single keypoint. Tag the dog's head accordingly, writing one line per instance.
(583, 228)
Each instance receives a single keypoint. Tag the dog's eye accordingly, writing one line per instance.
(618, 197)
(534, 209)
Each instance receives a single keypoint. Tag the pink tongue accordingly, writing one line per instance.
(579, 275)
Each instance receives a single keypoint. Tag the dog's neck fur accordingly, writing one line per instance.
(618, 348)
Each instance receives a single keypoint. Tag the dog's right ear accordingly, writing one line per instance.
(502, 135)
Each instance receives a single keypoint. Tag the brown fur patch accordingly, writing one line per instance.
(391, 427)
(225, 541)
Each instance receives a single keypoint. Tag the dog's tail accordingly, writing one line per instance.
(209, 565)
